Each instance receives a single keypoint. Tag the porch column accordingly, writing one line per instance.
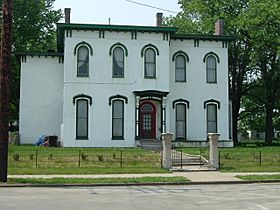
(137, 102)
(214, 154)
(166, 143)
(163, 115)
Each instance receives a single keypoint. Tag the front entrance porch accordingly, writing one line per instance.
(150, 117)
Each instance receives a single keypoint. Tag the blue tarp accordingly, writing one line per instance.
(41, 140)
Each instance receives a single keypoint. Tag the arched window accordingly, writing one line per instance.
(180, 121)
(211, 113)
(211, 69)
(180, 68)
(118, 62)
(118, 119)
(82, 119)
(150, 63)
(83, 62)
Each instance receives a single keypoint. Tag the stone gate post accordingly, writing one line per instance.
(214, 149)
(166, 145)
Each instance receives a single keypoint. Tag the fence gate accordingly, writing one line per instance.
(182, 159)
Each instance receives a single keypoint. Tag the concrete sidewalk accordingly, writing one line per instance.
(198, 176)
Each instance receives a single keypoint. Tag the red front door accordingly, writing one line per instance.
(147, 121)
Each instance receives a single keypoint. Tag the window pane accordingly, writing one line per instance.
(150, 55)
(211, 62)
(150, 70)
(211, 127)
(150, 63)
(82, 128)
(180, 130)
(83, 60)
(181, 112)
(180, 69)
(118, 118)
(181, 121)
(147, 108)
(82, 118)
(180, 61)
(117, 127)
(211, 118)
(211, 68)
(82, 108)
(180, 75)
(118, 61)
(211, 75)
(118, 109)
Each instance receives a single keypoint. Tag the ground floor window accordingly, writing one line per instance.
(82, 119)
(211, 110)
(118, 119)
(180, 121)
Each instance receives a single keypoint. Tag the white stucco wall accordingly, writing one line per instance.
(100, 85)
(196, 90)
(40, 98)
(48, 88)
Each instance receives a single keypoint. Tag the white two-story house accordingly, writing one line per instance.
(118, 85)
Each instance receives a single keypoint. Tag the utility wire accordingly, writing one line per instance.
(146, 5)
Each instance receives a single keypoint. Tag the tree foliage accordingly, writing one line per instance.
(253, 56)
(33, 31)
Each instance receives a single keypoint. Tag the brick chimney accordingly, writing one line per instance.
(159, 19)
(67, 12)
(219, 27)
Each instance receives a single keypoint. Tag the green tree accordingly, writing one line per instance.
(199, 16)
(33, 31)
(260, 24)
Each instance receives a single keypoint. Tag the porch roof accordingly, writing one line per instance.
(151, 93)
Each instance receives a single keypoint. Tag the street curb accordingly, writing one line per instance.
(140, 184)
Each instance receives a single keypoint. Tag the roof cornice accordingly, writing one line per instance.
(201, 37)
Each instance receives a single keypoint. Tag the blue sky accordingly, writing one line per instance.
(119, 11)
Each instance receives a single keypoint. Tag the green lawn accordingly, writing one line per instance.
(50, 160)
(244, 159)
(98, 180)
(259, 177)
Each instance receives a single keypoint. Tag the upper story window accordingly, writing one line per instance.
(211, 60)
(149, 53)
(180, 68)
(181, 59)
(211, 69)
(118, 62)
(83, 50)
(83, 62)
(150, 63)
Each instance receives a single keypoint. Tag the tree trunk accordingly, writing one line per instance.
(269, 131)
(235, 114)
(5, 68)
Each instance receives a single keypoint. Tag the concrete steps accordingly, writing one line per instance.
(187, 160)
(151, 144)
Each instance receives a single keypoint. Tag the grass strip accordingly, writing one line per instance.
(101, 170)
(97, 180)
(259, 177)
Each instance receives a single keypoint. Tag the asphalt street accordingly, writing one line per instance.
(234, 196)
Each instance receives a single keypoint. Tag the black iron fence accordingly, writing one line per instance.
(42, 157)
(250, 160)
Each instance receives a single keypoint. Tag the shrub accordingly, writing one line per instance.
(16, 157)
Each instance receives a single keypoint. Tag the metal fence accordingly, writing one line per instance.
(249, 160)
(42, 157)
